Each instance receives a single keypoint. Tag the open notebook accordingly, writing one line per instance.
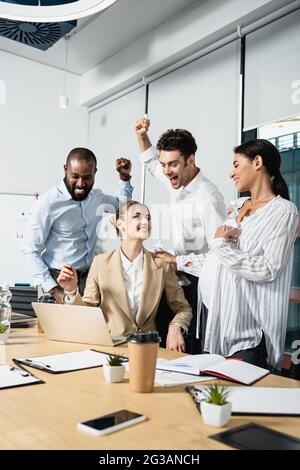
(217, 366)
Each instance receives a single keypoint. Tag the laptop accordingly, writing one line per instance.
(75, 324)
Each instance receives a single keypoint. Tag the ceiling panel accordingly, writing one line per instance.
(99, 37)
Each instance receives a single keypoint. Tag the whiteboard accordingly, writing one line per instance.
(14, 214)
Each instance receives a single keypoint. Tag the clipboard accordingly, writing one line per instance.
(11, 377)
(66, 362)
(261, 401)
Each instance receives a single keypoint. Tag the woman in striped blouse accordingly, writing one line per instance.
(244, 280)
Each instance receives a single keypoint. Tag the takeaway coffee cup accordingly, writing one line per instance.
(142, 351)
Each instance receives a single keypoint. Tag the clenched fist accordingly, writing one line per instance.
(142, 126)
(123, 167)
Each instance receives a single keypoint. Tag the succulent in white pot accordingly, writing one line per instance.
(215, 407)
(114, 369)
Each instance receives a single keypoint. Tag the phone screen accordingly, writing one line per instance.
(113, 419)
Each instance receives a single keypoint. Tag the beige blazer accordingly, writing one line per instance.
(105, 288)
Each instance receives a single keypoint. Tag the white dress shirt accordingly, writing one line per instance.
(196, 209)
(249, 290)
(133, 279)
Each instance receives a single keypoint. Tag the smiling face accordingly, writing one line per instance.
(176, 167)
(244, 172)
(135, 223)
(79, 178)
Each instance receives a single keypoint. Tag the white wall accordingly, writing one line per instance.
(36, 136)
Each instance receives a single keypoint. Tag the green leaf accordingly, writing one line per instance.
(116, 359)
(3, 328)
(216, 394)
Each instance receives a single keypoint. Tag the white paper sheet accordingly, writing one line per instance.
(13, 376)
(166, 378)
(67, 361)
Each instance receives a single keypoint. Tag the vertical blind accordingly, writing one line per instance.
(111, 136)
(202, 98)
(272, 72)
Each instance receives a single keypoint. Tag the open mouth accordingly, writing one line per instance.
(143, 230)
(174, 180)
(80, 192)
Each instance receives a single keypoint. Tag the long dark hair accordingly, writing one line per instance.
(271, 160)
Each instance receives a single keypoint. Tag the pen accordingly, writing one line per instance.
(178, 364)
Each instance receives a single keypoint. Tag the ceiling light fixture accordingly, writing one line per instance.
(63, 99)
(53, 13)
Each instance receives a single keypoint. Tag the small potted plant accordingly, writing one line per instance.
(114, 369)
(215, 407)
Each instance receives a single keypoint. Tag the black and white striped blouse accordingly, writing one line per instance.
(250, 287)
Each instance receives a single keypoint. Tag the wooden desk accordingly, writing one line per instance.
(45, 416)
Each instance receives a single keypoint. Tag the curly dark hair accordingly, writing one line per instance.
(178, 139)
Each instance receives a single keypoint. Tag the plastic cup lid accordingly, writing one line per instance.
(144, 337)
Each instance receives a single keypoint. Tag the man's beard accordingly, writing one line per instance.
(72, 191)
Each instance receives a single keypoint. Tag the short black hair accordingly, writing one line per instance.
(81, 153)
(178, 139)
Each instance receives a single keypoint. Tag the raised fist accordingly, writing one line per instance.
(123, 167)
(142, 126)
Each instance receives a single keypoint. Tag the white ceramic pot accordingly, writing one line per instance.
(215, 415)
(113, 373)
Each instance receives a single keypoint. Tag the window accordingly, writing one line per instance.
(285, 135)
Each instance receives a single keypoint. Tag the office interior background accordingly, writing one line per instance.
(227, 70)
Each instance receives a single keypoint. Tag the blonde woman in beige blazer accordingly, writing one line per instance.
(128, 283)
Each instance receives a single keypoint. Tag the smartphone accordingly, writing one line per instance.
(110, 423)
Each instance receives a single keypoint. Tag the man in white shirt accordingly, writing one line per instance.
(197, 206)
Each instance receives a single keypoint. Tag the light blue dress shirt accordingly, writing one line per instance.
(64, 230)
